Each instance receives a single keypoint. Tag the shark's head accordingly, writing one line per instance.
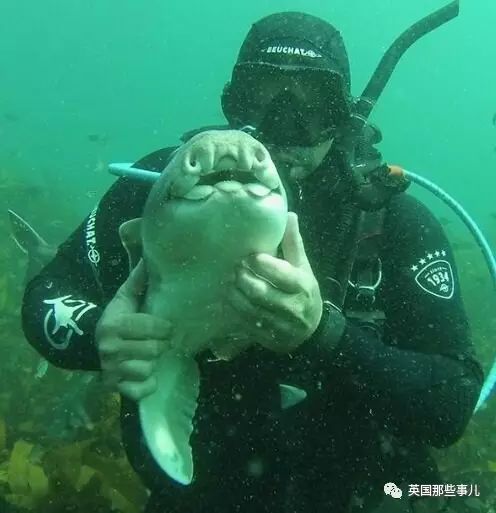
(220, 196)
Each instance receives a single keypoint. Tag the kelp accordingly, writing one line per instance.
(27, 481)
(73, 477)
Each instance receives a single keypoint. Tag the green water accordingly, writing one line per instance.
(144, 72)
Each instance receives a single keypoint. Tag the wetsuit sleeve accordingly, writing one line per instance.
(420, 376)
(62, 304)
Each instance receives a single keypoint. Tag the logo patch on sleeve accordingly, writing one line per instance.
(61, 319)
(434, 275)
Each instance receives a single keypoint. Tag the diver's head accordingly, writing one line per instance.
(291, 83)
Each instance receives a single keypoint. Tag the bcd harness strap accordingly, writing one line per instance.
(360, 302)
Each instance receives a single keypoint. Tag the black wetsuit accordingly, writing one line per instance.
(374, 404)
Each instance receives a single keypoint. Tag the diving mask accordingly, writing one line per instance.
(287, 107)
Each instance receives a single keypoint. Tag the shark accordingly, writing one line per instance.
(218, 200)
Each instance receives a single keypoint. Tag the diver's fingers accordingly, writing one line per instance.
(137, 391)
(149, 349)
(280, 273)
(262, 323)
(241, 303)
(251, 285)
(142, 326)
(292, 245)
(113, 350)
(265, 294)
(135, 370)
(249, 312)
(256, 305)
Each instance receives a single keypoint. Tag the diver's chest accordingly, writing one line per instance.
(247, 426)
(253, 397)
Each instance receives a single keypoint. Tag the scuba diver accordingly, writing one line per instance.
(389, 368)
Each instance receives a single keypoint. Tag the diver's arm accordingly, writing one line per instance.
(63, 303)
(64, 342)
(425, 383)
(429, 397)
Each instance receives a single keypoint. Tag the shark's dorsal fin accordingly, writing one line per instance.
(130, 235)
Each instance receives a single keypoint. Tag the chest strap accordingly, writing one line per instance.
(365, 279)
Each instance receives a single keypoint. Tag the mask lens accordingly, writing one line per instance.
(287, 108)
(288, 121)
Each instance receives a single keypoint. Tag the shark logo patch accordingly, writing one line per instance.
(434, 274)
(61, 319)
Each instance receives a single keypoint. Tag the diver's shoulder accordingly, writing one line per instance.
(157, 160)
(128, 194)
(406, 212)
(408, 206)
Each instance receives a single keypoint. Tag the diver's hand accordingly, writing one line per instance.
(279, 298)
(129, 343)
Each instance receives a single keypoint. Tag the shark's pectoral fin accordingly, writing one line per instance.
(130, 235)
(167, 415)
(290, 395)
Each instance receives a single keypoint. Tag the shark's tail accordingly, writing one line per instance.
(24, 235)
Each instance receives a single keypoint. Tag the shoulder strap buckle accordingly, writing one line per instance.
(365, 284)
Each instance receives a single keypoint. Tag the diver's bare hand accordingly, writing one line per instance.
(279, 299)
(129, 343)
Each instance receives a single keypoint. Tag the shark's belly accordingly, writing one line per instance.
(195, 303)
(199, 319)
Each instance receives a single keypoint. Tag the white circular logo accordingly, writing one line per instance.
(94, 256)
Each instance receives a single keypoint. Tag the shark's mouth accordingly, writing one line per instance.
(258, 184)
(222, 176)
